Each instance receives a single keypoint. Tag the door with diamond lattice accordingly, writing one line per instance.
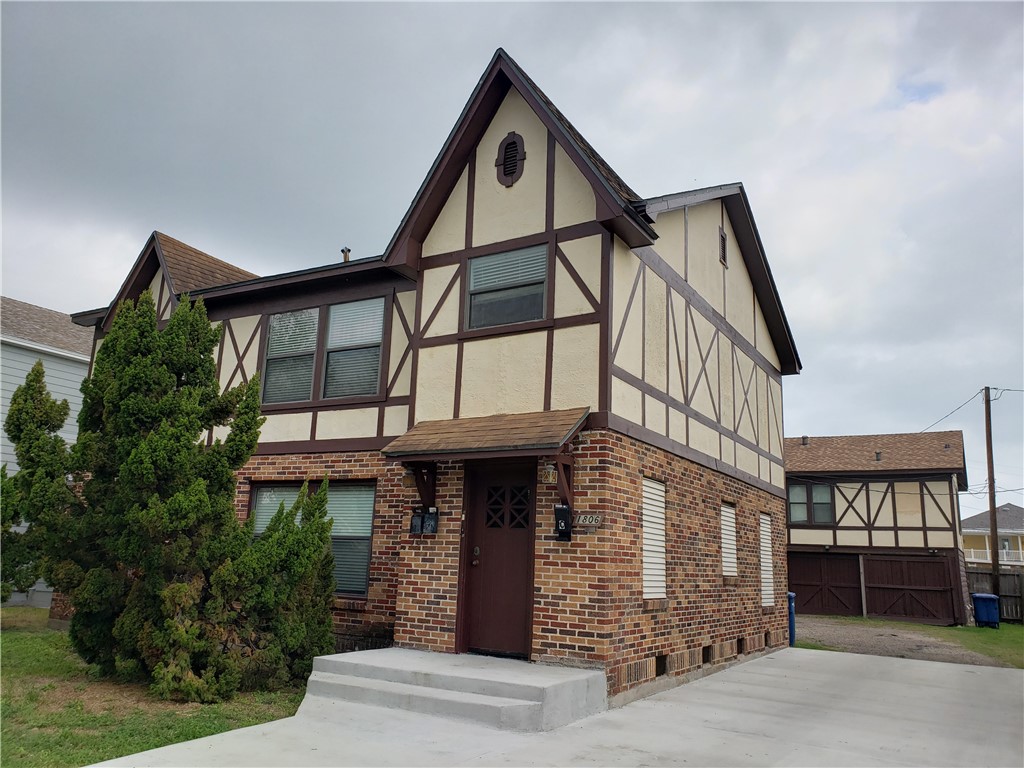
(499, 558)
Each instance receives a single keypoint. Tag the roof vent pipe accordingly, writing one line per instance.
(345, 252)
(878, 455)
(804, 440)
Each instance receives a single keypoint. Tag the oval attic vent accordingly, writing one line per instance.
(510, 160)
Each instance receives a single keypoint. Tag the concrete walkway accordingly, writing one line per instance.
(792, 708)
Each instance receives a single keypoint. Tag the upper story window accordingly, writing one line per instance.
(507, 287)
(342, 342)
(811, 504)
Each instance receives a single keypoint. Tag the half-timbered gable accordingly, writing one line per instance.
(550, 412)
(873, 525)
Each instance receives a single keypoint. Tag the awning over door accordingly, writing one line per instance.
(542, 433)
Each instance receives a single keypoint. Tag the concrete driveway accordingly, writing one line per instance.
(793, 708)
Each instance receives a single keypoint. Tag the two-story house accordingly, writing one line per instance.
(550, 412)
(874, 525)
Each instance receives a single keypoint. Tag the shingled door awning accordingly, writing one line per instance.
(502, 436)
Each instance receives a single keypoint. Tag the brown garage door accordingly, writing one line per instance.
(909, 588)
(825, 583)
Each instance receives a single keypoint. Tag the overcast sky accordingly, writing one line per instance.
(880, 146)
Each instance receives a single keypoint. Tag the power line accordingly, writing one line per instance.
(953, 411)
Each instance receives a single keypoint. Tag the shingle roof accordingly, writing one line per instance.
(47, 327)
(190, 268)
(602, 167)
(857, 453)
(540, 431)
(1009, 517)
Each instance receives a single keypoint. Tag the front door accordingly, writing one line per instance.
(499, 558)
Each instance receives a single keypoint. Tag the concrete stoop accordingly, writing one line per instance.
(501, 693)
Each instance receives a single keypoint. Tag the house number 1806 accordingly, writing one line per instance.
(587, 521)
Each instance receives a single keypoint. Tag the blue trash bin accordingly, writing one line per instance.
(986, 609)
(792, 617)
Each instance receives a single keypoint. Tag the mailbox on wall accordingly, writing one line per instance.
(423, 521)
(563, 522)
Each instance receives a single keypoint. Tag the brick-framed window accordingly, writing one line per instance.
(810, 503)
(325, 353)
(506, 288)
(350, 506)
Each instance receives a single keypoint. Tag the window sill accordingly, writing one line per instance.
(342, 603)
(301, 406)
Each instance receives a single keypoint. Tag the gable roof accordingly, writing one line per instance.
(859, 454)
(186, 269)
(1009, 519)
(617, 204)
(734, 198)
(37, 325)
(189, 268)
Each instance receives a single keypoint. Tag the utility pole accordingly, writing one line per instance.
(993, 527)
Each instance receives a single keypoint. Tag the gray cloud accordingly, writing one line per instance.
(880, 146)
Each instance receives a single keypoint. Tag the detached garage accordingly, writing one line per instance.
(873, 525)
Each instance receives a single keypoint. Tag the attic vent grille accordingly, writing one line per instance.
(511, 156)
(723, 251)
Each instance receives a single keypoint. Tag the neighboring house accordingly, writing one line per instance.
(537, 343)
(29, 333)
(977, 534)
(873, 525)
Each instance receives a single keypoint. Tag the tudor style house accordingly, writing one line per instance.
(550, 412)
(874, 525)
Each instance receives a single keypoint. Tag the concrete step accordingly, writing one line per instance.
(502, 693)
(495, 711)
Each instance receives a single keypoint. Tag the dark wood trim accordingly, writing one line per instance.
(649, 256)
(225, 334)
(517, 453)
(322, 446)
(549, 185)
(458, 380)
(414, 345)
(313, 423)
(455, 278)
(628, 309)
(398, 370)
(549, 351)
(614, 422)
(703, 372)
(881, 551)
(470, 198)
(580, 283)
(510, 330)
(348, 404)
(604, 374)
(565, 234)
(663, 397)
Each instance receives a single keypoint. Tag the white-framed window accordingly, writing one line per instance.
(653, 522)
(506, 288)
(350, 507)
(350, 341)
(729, 567)
(767, 566)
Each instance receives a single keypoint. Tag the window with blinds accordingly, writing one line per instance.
(767, 568)
(653, 520)
(507, 287)
(729, 567)
(350, 507)
(354, 333)
(291, 350)
(351, 341)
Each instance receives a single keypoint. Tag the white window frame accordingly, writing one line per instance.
(654, 550)
(730, 566)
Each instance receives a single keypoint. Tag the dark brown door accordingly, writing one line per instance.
(825, 583)
(910, 588)
(499, 558)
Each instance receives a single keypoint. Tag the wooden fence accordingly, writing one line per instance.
(1011, 587)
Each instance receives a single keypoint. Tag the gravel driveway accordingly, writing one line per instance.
(888, 640)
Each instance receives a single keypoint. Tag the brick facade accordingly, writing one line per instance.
(588, 606)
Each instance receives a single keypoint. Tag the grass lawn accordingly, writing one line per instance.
(55, 712)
